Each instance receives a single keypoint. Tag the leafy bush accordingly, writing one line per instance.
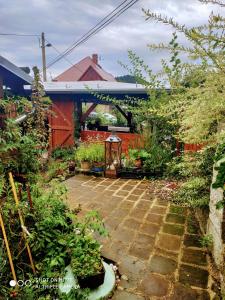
(193, 192)
(56, 236)
(138, 154)
(63, 153)
(157, 158)
(92, 152)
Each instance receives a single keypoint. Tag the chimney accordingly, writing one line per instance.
(95, 58)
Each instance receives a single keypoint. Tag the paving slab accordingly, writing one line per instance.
(155, 243)
(162, 265)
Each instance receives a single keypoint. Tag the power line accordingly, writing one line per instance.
(20, 34)
(86, 36)
(93, 28)
(66, 59)
(99, 26)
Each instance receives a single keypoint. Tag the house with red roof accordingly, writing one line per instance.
(88, 69)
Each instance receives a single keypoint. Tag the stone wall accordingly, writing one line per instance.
(216, 224)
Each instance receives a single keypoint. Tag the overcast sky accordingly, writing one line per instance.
(64, 21)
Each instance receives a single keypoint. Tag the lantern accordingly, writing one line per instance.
(113, 150)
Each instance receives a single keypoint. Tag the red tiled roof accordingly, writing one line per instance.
(76, 72)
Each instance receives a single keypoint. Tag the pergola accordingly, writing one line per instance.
(67, 97)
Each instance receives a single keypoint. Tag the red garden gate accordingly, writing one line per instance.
(61, 122)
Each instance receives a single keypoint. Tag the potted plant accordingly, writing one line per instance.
(86, 262)
(84, 156)
(91, 154)
(138, 156)
(98, 156)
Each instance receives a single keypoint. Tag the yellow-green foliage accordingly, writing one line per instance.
(197, 97)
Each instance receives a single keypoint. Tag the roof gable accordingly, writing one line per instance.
(77, 71)
(90, 74)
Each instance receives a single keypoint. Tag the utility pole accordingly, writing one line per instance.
(43, 56)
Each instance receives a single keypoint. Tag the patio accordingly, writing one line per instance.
(155, 243)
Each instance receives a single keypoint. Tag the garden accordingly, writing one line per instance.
(41, 235)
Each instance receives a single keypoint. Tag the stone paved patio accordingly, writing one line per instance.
(155, 243)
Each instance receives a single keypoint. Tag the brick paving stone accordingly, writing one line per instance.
(193, 256)
(147, 197)
(137, 191)
(154, 285)
(127, 188)
(153, 218)
(93, 205)
(169, 242)
(123, 234)
(117, 250)
(158, 210)
(132, 223)
(142, 246)
(112, 188)
(173, 229)
(123, 295)
(143, 204)
(162, 202)
(126, 204)
(186, 293)
(140, 251)
(133, 182)
(162, 265)
(106, 194)
(166, 253)
(137, 213)
(179, 210)
(131, 267)
(149, 228)
(122, 193)
(193, 276)
(115, 199)
(144, 239)
(132, 197)
(112, 223)
(191, 240)
(174, 218)
(120, 213)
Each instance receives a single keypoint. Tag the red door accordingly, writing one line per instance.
(62, 124)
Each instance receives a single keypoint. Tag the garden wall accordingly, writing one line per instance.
(129, 140)
(216, 225)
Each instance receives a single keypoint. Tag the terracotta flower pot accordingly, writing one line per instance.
(138, 163)
(85, 165)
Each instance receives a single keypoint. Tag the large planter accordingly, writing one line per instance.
(92, 282)
(85, 166)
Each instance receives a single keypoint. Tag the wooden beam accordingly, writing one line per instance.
(1, 87)
(87, 113)
(122, 112)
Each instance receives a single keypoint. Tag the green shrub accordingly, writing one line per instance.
(92, 152)
(56, 238)
(138, 154)
(194, 192)
(63, 153)
(158, 157)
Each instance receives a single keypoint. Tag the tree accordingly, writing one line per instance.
(200, 108)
